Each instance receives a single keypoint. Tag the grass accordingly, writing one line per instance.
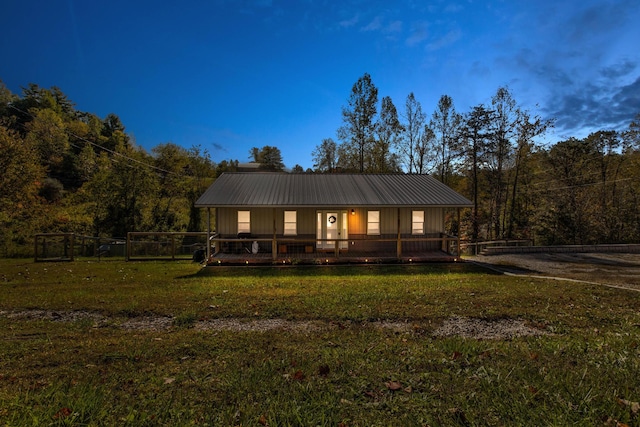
(351, 373)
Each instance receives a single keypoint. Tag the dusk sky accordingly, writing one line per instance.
(231, 75)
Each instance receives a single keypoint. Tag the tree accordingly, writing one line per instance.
(6, 98)
(46, 132)
(445, 123)
(113, 132)
(527, 129)
(412, 133)
(168, 211)
(122, 192)
(325, 156)
(20, 182)
(424, 150)
(226, 166)
(388, 130)
(269, 158)
(567, 211)
(500, 149)
(475, 134)
(357, 132)
(631, 137)
(607, 162)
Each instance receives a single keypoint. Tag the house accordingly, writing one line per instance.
(280, 217)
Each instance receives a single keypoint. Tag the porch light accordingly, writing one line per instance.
(353, 211)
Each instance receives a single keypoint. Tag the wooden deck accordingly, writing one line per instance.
(319, 258)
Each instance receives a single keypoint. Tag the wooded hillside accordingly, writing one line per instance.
(64, 170)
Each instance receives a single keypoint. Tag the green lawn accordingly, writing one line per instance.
(347, 369)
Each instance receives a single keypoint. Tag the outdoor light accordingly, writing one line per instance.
(353, 211)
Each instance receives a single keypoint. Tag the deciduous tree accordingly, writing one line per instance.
(388, 130)
(358, 129)
(412, 133)
(325, 156)
(446, 122)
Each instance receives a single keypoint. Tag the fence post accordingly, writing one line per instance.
(72, 245)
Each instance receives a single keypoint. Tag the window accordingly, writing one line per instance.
(417, 222)
(244, 221)
(290, 227)
(373, 222)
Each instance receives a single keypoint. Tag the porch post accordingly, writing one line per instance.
(458, 235)
(399, 242)
(274, 243)
(208, 233)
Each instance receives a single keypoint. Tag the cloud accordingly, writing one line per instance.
(597, 19)
(453, 8)
(219, 147)
(446, 40)
(621, 69)
(417, 34)
(348, 23)
(394, 27)
(479, 69)
(374, 25)
(591, 106)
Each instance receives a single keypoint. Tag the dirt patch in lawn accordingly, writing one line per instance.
(461, 326)
(501, 329)
(619, 270)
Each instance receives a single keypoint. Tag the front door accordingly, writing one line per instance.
(332, 225)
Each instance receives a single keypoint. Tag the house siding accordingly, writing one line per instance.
(262, 220)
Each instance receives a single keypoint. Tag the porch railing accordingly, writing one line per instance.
(306, 247)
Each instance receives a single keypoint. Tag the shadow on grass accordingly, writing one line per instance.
(340, 270)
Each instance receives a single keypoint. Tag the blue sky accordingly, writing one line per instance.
(231, 75)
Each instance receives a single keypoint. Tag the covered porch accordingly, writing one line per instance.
(274, 251)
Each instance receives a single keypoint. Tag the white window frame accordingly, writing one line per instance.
(373, 223)
(290, 223)
(417, 222)
(244, 222)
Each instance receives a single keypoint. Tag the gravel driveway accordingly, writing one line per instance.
(620, 270)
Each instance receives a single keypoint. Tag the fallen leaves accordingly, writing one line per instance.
(298, 375)
(62, 413)
(634, 407)
(393, 385)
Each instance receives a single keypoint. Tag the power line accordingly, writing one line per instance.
(114, 153)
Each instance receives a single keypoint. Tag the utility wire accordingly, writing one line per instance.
(114, 153)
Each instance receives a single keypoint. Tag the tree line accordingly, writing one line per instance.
(576, 191)
(65, 170)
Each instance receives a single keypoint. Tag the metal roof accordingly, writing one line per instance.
(260, 189)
